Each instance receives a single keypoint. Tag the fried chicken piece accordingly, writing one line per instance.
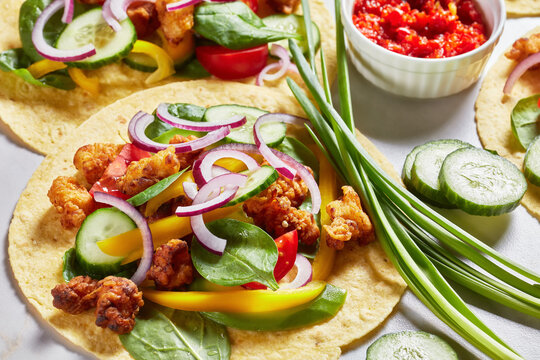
(77, 296)
(524, 47)
(118, 302)
(283, 6)
(144, 17)
(144, 173)
(277, 217)
(71, 200)
(167, 209)
(186, 159)
(92, 160)
(349, 221)
(175, 24)
(171, 266)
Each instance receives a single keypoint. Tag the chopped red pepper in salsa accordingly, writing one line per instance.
(421, 28)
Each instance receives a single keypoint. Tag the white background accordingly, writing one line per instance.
(395, 125)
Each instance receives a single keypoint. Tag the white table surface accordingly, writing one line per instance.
(395, 125)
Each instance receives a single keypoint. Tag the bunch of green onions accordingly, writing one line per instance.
(423, 245)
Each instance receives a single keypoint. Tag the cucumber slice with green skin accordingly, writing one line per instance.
(293, 24)
(481, 183)
(91, 28)
(406, 173)
(257, 181)
(413, 345)
(427, 165)
(99, 225)
(531, 165)
(272, 133)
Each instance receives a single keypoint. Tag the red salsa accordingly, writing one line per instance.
(421, 28)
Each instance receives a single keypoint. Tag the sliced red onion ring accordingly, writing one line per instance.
(163, 113)
(190, 189)
(140, 122)
(303, 276)
(142, 224)
(109, 17)
(69, 7)
(283, 65)
(119, 7)
(49, 52)
(182, 4)
(302, 171)
(203, 168)
(208, 240)
(519, 70)
(276, 162)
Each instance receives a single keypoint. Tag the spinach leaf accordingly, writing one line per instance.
(28, 15)
(187, 111)
(250, 255)
(162, 132)
(192, 70)
(323, 307)
(71, 268)
(16, 61)
(234, 25)
(162, 333)
(154, 190)
(310, 251)
(301, 153)
(525, 120)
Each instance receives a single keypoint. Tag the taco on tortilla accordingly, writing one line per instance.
(353, 287)
(497, 102)
(52, 83)
(518, 8)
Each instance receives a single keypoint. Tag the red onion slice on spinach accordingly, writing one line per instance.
(69, 8)
(163, 114)
(204, 169)
(142, 224)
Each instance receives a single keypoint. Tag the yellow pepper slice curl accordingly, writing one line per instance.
(174, 190)
(90, 84)
(164, 62)
(324, 260)
(43, 67)
(129, 244)
(236, 301)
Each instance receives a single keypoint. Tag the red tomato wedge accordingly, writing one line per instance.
(287, 245)
(232, 64)
(117, 168)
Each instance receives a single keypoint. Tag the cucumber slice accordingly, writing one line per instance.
(427, 165)
(531, 165)
(272, 133)
(101, 224)
(91, 28)
(293, 24)
(413, 345)
(257, 181)
(406, 173)
(481, 183)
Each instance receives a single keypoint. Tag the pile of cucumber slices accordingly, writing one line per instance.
(453, 174)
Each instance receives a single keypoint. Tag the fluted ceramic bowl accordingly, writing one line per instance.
(416, 77)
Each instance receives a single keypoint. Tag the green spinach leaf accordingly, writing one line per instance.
(250, 255)
(310, 251)
(162, 132)
(323, 307)
(192, 70)
(234, 26)
(525, 120)
(301, 153)
(16, 61)
(71, 268)
(164, 334)
(154, 190)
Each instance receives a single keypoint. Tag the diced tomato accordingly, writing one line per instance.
(253, 4)
(232, 64)
(287, 245)
(117, 168)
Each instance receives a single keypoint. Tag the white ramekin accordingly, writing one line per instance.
(416, 77)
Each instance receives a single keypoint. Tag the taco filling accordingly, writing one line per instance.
(214, 221)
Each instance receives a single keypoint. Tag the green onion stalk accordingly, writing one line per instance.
(425, 247)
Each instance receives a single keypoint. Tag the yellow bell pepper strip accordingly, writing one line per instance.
(43, 67)
(174, 190)
(180, 51)
(165, 65)
(129, 244)
(324, 260)
(236, 301)
(90, 84)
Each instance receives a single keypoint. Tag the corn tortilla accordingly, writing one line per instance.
(518, 8)
(41, 117)
(374, 286)
(493, 110)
